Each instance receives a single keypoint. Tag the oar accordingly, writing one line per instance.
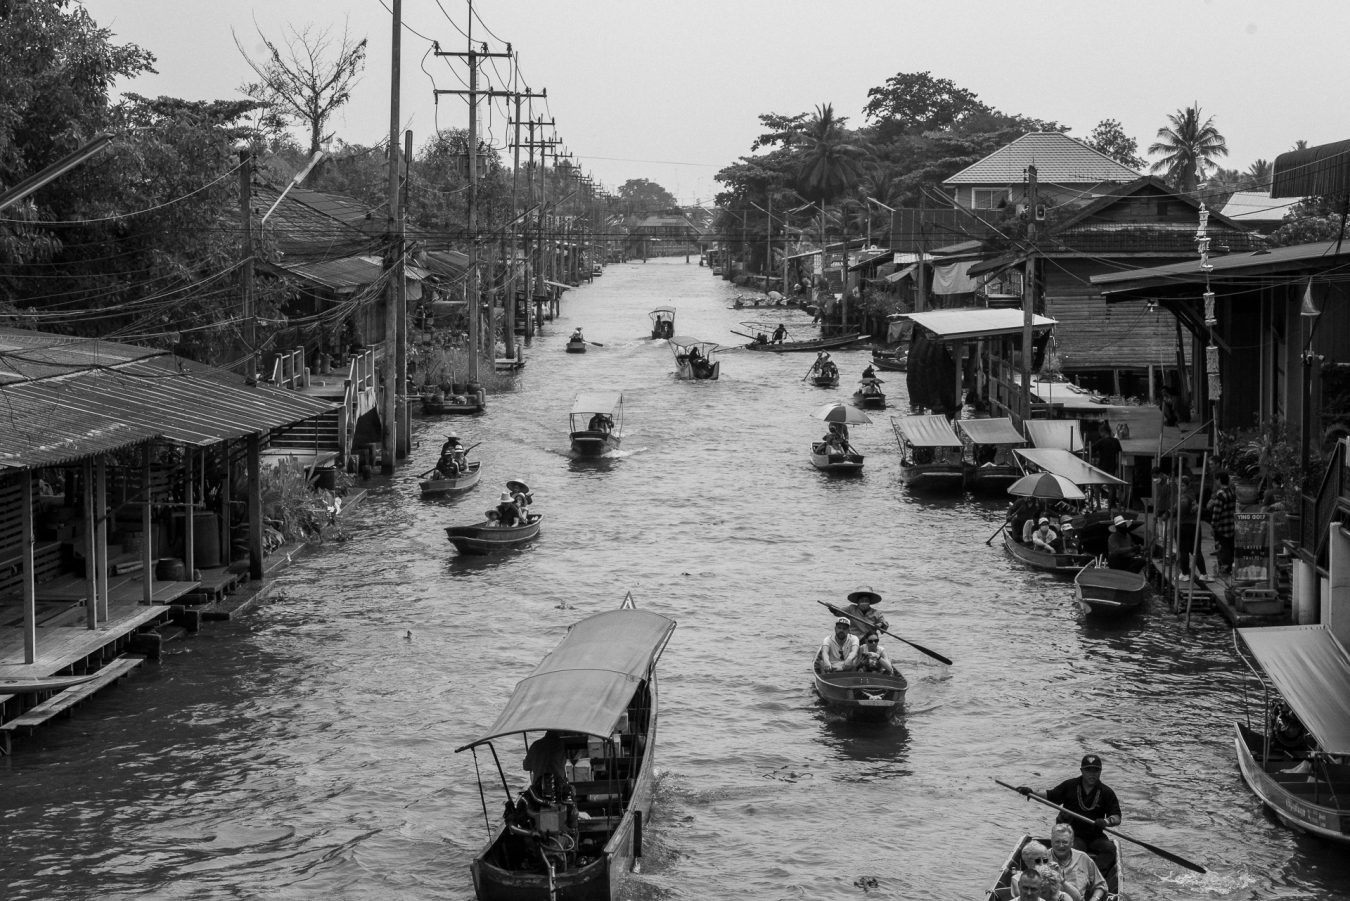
(990, 540)
(596, 343)
(744, 335)
(809, 371)
(1161, 852)
(918, 647)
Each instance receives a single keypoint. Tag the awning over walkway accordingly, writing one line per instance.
(1062, 463)
(971, 323)
(928, 430)
(1312, 671)
(991, 431)
(901, 275)
(1058, 433)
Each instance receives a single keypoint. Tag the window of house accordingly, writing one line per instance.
(987, 198)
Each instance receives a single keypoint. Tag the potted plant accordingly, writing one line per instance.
(1238, 452)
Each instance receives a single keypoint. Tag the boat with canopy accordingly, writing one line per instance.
(1296, 759)
(663, 322)
(592, 701)
(694, 358)
(930, 452)
(1065, 468)
(596, 422)
(989, 460)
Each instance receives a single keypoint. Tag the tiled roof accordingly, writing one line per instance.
(1058, 158)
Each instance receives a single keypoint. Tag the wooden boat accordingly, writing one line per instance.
(869, 394)
(597, 691)
(439, 404)
(787, 347)
(1002, 887)
(865, 697)
(989, 459)
(663, 322)
(1109, 592)
(437, 484)
(698, 366)
(44, 683)
(576, 345)
(824, 380)
(486, 538)
(597, 422)
(839, 464)
(1295, 761)
(1044, 560)
(892, 361)
(930, 453)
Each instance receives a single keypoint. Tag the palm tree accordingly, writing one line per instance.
(1189, 146)
(830, 158)
(1259, 175)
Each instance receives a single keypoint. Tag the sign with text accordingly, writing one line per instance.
(1253, 550)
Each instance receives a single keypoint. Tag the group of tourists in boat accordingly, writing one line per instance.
(824, 372)
(453, 472)
(509, 524)
(869, 393)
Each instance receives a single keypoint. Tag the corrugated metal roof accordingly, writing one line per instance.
(1058, 158)
(1253, 206)
(1298, 257)
(91, 408)
(1324, 169)
(976, 322)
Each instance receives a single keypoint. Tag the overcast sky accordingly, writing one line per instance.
(670, 91)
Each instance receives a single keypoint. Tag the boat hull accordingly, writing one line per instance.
(1290, 796)
(863, 697)
(576, 347)
(890, 362)
(825, 381)
(486, 539)
(1109, 592)
(993, 479)
(933, 476)
(788, 347)
(1068, 564)
(840, 464)
(685, 372)
(594, 444)
(871, 401)
(458, 485)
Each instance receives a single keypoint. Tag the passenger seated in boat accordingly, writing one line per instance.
(1069, 540)
(872, 656)
(923, 455)
(520, 494)
(761, 338)
(546, 761)
(508, 514)
(1052, 884)
(576, 336)
(600, 422)
(1028, 884)
(1122, 551)
(839, 651)
(834, 444)
(1044, 536)
(862, 605)
(452, 461)
(840, 429)
(1082, 880)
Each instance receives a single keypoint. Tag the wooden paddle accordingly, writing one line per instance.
(918, 647)
(744, 335)
(595, 343)
(1161, 852)
(990, 540)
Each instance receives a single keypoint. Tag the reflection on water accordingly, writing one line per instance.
(307, 749)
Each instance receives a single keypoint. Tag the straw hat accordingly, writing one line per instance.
(864, 593)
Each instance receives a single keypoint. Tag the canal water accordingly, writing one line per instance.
(306, 749)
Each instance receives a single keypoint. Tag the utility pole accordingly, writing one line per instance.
(1029, 292)
(525, 287)
(389, 413)
(474, 290)
(404, 440)
(246, 264)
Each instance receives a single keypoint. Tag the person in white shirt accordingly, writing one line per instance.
(839, 652)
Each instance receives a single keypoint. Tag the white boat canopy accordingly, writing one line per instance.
(928, 430)
(662, 313)
(1312, 671)
(991, 431)
(1062, 463)
(1061, 433)
(597, 402)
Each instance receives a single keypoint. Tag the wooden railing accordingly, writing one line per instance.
(288, 370)
(361, 377)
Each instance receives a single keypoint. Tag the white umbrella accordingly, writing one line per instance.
(838, 412)
(1046, 486)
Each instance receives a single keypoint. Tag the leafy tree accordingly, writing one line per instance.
(1259, 175)
(644, 197)
(918, 102)
(829, 159)
(782, 130)
(1110, 138)
(1189, 146)
(305, 79)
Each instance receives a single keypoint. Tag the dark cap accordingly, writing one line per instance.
(1091, 762)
